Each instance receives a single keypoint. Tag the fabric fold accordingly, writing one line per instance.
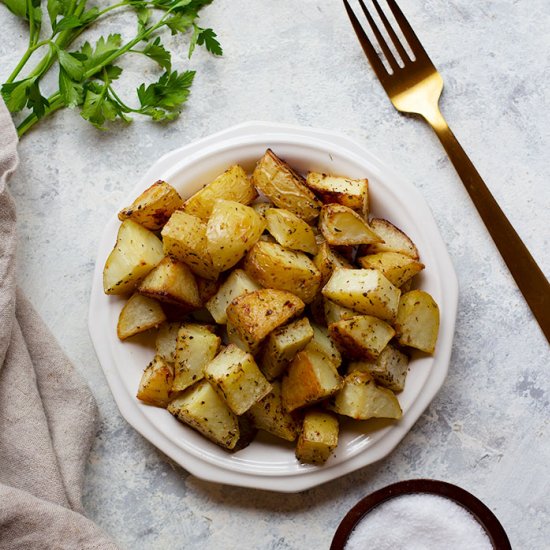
(47, 413)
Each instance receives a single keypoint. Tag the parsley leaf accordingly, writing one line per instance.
(71, 92)
(157, 52)
(104, 47)
(17, 7)
(206, 37)
(163, 99)
(35, 100)
(15, 94)
(71, 64)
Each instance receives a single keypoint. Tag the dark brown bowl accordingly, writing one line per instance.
(486, 518)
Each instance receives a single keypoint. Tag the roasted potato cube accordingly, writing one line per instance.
(184, 238)
(233, 185)
(310, 378)
(166, 342)
(235, 376)
(137, 250)
(342, 226)
(318, 438)
(398, 268)
(353, 193)
(417, 323)
(361, 337)
(389, 369)
(255, 314)
(394, 240)
(236, 284)
(232, 230)
(196, 346)
(361, 398)
(290, 231)
(153, 207)
(138, 315)
(273, 266)
(234, 338)
(201, 408)
(335, 312)
(269, 415)
(207, 288)
(173, 282)
(322, 343)
(282, 345)
(326, 260)
(156, 383)
(284, 187)
(261, 207)
(363, 290)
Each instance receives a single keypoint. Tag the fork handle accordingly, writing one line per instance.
(527, 274)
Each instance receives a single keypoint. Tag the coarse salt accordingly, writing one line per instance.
(418, 522)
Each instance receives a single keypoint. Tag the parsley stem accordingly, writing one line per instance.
(24, 59)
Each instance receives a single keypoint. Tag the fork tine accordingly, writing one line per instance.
(395, 39)
(407, 31)
(368, 48)
(380, 39)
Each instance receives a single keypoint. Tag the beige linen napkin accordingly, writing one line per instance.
(47, 413)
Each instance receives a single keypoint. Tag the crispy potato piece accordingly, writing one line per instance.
(173, 282)
(290, 231)
(153, 207)
(156, 383)
(137, 250)
(310, 378)
(255, 314)
(273, 266)
(234, 338)
(232, 185)
(236, 284)
(389, 369)
(405, 287)
(361, 337)
(335, 312)
(284, 187)
(398, 268)
(184, 238)
(207, 289)
(417, 323)
(394, 240)
(235, 376)
(342, 226)
(166, 342)
(282, 345)
(363, 290)
(261, 207)
(138, 315)
(353, 193)
(322, 343)
(201, 408)
(232, 230)
(361, 398)
(319, 437)
(326, 260)
(196, 346)
(269, 415)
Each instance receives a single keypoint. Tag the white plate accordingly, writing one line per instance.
(266, 463)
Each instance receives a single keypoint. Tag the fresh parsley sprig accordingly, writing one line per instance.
(87, 75)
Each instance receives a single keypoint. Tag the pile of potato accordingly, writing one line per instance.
(277, 303)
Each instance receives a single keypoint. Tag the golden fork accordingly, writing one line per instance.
(416, 87)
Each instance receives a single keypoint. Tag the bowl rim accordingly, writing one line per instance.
(308, 477)
(484, 516)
